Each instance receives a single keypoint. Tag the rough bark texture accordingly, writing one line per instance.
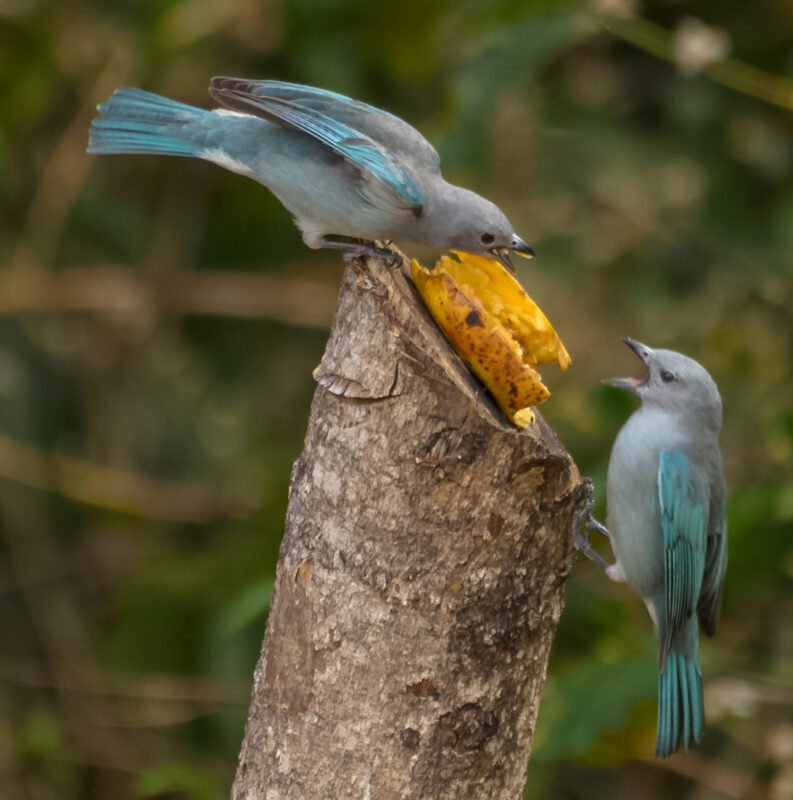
(420, 578)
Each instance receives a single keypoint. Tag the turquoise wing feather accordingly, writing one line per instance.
(369, 157)
(683, 491)
(388, 130)
(683, 495)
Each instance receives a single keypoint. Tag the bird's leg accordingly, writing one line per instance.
(584, 545)
(583, 525)
(353, 250)
(594, 525)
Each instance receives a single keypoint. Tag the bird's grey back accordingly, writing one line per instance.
(396, 135)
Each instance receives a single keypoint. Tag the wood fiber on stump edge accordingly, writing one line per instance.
(420, 578)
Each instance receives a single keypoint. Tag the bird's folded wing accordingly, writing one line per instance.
(715, 567)
(683, 495)
(388, 130)
(386, 183)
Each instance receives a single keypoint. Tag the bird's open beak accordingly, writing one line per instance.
(517, 246)
(632, 384)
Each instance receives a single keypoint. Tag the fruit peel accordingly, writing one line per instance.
(495, 327)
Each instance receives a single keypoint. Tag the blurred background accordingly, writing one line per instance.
(160, 319)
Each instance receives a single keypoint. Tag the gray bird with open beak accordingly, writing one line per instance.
(667, 524)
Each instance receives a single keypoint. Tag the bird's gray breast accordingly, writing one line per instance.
(634, 518)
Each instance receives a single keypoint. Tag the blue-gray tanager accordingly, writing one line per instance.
(666, 518)
(341, 167)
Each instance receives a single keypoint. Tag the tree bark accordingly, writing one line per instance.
(420, 577)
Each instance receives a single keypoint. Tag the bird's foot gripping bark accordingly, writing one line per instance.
(584, 524)
(355, 249)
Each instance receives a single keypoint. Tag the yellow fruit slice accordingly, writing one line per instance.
(495, 327)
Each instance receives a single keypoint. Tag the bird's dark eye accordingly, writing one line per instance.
(667, 376)
(488, 238)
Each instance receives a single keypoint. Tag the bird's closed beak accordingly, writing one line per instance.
(517, 246)
(632, 384)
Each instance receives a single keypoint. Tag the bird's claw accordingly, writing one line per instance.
(582, 542)
(593, 525)
(353, 251)
(392, 258)
(583, 526)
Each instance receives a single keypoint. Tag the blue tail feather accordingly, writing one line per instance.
(135, 121)
(681, 715)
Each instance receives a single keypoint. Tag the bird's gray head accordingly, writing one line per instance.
(674, 383)
(476, 225)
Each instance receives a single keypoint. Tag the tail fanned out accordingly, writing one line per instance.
(134, 121)
(681, 714)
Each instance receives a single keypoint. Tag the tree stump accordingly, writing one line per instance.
(420, 577)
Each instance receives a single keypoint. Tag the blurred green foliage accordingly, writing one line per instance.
(155, 381)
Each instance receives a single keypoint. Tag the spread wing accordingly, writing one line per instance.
(385, 181)
(683, 495)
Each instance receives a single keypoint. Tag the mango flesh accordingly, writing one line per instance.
(495, 327)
